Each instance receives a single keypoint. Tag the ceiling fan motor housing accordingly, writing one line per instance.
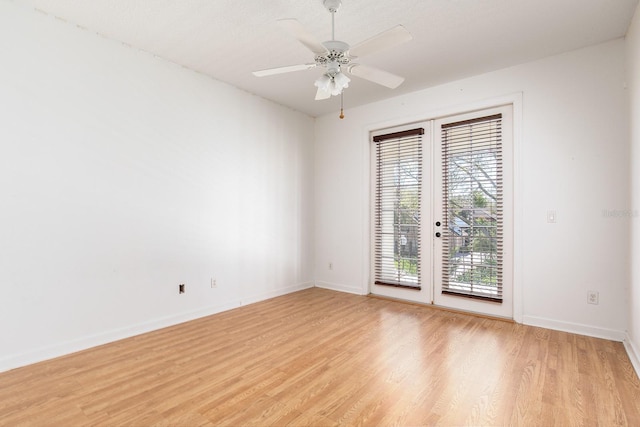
(335, 54)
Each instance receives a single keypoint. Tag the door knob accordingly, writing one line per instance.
(437, 223)
(438, 234)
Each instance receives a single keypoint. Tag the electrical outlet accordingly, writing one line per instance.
(593, 297)
(181, 288)
(214, 284)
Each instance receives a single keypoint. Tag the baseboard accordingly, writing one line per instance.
(634, 354)
(84, 343)
(276, 293)
(341, 288)
(575, 328)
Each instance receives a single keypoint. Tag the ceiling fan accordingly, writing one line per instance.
(337, 57)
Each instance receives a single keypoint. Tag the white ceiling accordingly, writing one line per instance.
(227, 39)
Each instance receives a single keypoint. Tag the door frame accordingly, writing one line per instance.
(514, 99)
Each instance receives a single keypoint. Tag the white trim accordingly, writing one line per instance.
(341, 288)
(72, 346)
(513, 98)
(366, 214)
(367, 176)
(575, 328)
(251, 299)
(633, 353)
(518, 235)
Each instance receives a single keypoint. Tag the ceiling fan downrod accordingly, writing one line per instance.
(332, 6)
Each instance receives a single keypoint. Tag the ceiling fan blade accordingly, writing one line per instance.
(280, 70)
(296, 29)
(375, 75)
(390, 38)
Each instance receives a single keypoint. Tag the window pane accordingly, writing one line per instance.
(473, 208)
(397, 216)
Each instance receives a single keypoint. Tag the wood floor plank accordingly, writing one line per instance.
(323, 358)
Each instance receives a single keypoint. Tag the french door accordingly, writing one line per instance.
(450, 243)
(401, 166)
(472, 205)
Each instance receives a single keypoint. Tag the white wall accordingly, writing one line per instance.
(123, 175)
(633, 76)
(573, 158)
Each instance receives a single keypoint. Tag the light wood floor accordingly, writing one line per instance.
(317, 358)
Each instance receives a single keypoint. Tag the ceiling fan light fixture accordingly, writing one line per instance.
(323, 82)
(331, 84)
(340, 82)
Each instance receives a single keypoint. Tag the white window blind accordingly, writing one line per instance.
(397, 208)
(473, 208)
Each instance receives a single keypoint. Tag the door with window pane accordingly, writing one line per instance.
(473, 212)
(401, 194)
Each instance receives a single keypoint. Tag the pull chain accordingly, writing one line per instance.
(341, 105)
